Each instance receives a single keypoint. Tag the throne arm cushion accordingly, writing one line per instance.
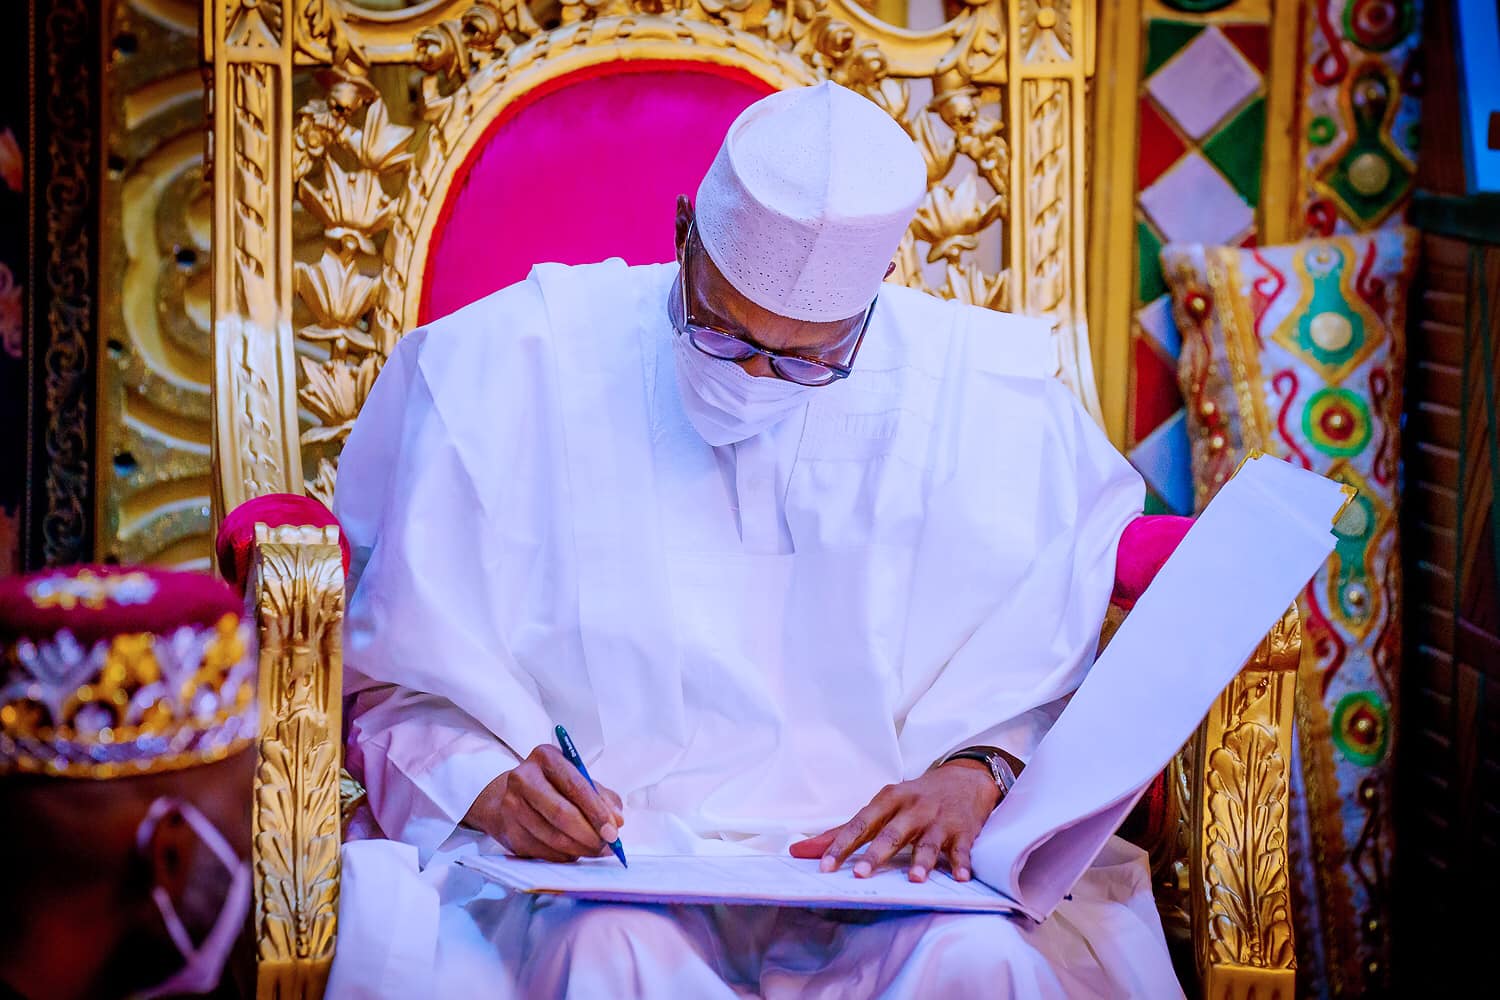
(236, 538)
(1144, 547)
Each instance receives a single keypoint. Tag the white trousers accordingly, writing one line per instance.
(446, 932)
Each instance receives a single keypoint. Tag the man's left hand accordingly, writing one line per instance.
(938, 815)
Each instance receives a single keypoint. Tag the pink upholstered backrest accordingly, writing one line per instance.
(579, 170)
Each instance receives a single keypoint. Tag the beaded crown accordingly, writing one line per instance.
(107, 672)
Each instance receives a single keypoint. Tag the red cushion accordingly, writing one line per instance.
(237, 533)
(1144, 548)
(99, 602)
(1147, 822)
(615, 143)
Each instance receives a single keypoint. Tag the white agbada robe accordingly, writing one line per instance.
(745, 642)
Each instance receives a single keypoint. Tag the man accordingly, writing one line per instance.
(127, 718)
(774, 541)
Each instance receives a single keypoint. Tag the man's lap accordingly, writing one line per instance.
(475, 933)
(579, 948)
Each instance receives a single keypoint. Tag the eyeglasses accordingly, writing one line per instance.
(739, 346)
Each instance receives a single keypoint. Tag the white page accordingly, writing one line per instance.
(1233, 576)
(759, 879)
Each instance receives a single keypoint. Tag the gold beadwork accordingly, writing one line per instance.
(104, 729)
(1369, 174)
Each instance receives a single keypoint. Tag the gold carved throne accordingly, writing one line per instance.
(356, 154)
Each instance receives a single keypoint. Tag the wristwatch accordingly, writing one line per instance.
(991, 757)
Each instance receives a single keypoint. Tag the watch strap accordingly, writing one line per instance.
(991, 757)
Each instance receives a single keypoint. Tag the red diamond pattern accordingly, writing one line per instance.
(1253, 41)
(1156, 396)
(1159, 145)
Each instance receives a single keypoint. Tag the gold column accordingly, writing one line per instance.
(1111, 250)
(255, 422)
(298, 584)
(1048, 64)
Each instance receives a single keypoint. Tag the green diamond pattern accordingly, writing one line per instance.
(1148, 246)
(1236, 149)
(1163, 40)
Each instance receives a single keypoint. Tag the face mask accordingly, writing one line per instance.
(727, 404)
(202, 964)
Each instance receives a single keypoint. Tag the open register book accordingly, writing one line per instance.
(1138, 705)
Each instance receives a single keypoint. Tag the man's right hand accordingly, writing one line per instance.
(543, 808)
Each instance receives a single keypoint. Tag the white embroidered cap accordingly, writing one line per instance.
(807, 201)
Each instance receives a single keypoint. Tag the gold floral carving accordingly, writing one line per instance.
(298, 588)
(1241, 894)
(252, 24)
(1046, 30)
(346, 150)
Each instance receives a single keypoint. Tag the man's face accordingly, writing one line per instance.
(715, 302)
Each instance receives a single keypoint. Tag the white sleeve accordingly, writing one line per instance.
(436, 700)
(1010, 678)
(423, 763)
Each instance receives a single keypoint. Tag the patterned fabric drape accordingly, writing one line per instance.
(1299, 351)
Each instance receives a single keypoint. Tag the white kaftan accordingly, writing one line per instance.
(745, 642)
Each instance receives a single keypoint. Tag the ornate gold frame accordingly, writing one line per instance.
(301, 324)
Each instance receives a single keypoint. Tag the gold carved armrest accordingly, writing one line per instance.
(1238, 769)
(297, 585)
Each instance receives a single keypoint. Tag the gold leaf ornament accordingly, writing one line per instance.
(938, 150)
(950, 219)
(381, 145)
(979, 138)
(351, 205)
(1248, 908)
(334, 391)
(338, 296)
(970, 284)
(321, 486)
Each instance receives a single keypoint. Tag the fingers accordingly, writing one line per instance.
(524, 815)
(587, 806)
(925, 857)
(958, 856)
(530, 784)
(865, 825)
(615, 802)
(899, 831)
(813, 847)
(935, 814)
(524, 845)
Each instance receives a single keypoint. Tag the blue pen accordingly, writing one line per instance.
(571, 752)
